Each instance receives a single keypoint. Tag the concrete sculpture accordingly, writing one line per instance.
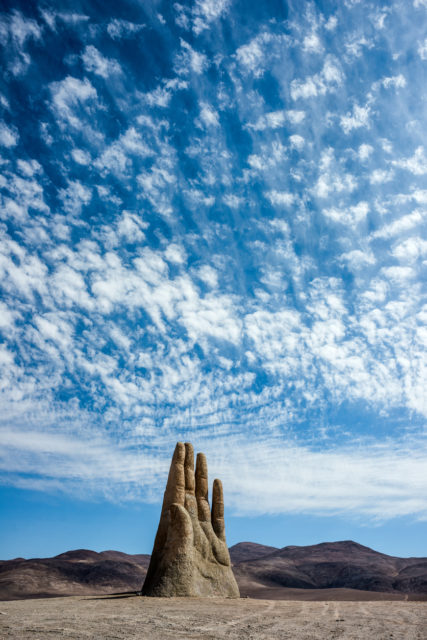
(190, 555)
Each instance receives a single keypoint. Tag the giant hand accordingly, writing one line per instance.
(190, 556)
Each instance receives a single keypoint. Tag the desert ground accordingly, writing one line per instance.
(120, 617)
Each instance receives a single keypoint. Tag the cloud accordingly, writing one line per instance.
(74, 197)
(417, 164)
(118, 29)
(379, 176)
(251, 57)
(96, 63)
(332, 179)
(312, 44)
(410, 249)
(15, 32)
(356, 119)
(189, 60)
(422, 50)
(280, 198)
(9, 136)
(400, 225)
(397, 82)
(207, 11)
(69, 97)
(208, 117)
(364, 151)
(329, 79)
(185, 256)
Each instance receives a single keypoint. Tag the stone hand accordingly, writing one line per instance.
(190, 555)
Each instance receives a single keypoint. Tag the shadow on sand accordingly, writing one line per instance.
(117, 596)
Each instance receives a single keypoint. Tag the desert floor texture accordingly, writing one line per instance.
(110, 618)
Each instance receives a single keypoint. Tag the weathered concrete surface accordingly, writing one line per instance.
(190, 555)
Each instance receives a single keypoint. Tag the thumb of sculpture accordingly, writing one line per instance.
(190, 555)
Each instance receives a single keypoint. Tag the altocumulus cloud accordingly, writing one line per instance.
(214, 231)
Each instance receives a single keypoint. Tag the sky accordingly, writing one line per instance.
(213, 229)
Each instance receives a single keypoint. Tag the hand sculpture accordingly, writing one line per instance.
(190, 556)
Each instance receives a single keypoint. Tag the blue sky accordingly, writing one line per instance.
(213, 228)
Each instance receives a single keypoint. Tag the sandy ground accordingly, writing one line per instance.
(107, 618)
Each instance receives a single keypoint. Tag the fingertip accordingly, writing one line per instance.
(179, 453)
(201, 466)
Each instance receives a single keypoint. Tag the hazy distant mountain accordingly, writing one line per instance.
(260, 571)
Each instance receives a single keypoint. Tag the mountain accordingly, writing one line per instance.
(332, 570)
(80, 572)
(249, 551)
(331, 565)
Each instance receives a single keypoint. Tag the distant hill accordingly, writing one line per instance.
(244, 551)
(79, 572)
(330, 565)
(336, 570)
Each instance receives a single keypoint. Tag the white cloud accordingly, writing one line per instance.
(29, 168)
(117, 157)
(277, 119)
(189, 60)
(297, 142)
(161, 96)
(417, 164)
(9, 136)
(233, 201)
(422, 50)
(96, 63)
(130, 226)
(15, 31)
(397, 82)
(359, 117)
(312, 43)
(331, 23)
(81, 157)
(68, 96)
(123, 28)
(350, 216)
(364, 151)
(411, 249)
(379, 176)
(354, 47)
(280, 198)
(398, 274)
(330, 77)
(175, 253)
(358, 259)
(400, 225)
(331, 177)
(207, 11)
(208, 117)
(209, 275)
(75, 197)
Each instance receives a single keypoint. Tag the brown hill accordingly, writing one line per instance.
(80, 572)
(332, 565)
(331, 570)
(244, 551)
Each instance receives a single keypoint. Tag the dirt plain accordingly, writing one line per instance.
(123, 617)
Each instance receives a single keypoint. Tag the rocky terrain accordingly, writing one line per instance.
(328, 571)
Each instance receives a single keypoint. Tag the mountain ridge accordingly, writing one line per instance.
(344, 569)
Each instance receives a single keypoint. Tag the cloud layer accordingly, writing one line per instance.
(215, 231)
